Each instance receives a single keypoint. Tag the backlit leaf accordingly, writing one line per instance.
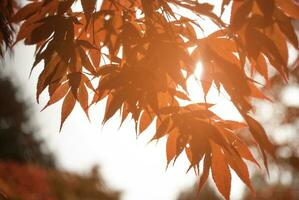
(67, 107)
(220, 170)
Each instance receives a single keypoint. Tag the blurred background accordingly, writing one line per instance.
(88, 161)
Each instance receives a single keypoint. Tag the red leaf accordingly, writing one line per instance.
(233, 125)
(162, 128)
(239, 166)
(114, 103)
(240, 12)
(67, 107)
(44, 78)
(88, 7)
(144, 121)
(83, 99)
(257, 93)
(220, 171)
(26, 12)
(260, 135)
(289, 7)
(198, 146)
(285, 25)
(261, 66)
(59, 93)
(171, 145)
(206, 169)
(237, 143)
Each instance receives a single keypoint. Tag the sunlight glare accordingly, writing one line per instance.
(223, 106)
(198, 71)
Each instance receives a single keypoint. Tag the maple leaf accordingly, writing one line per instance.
(220, 171)
(142, 54)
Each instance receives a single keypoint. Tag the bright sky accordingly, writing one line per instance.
(133, 166)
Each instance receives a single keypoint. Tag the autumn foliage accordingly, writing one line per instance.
(28, 170)
(31, 182)
(7, 8)
(138, 55)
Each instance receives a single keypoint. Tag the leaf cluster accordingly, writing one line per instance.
(142, 52)
(7, 10)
